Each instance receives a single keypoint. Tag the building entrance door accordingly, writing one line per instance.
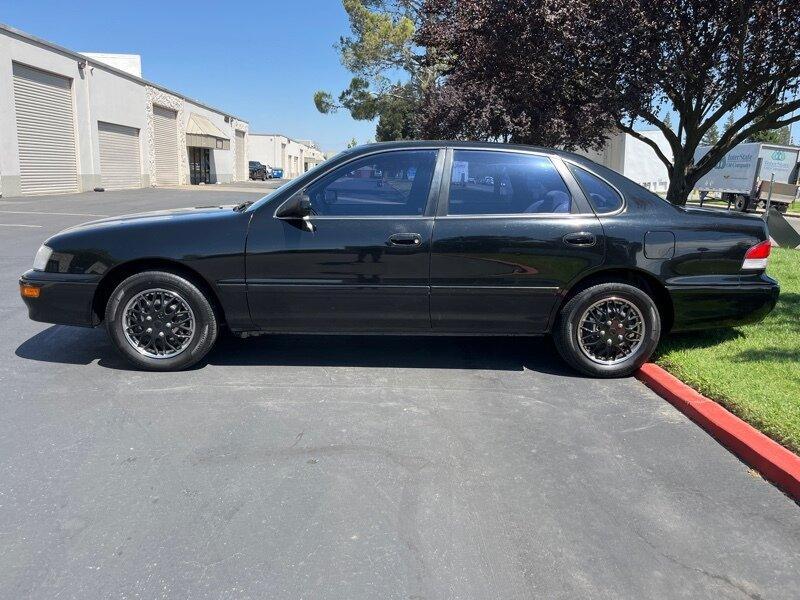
(199, 165)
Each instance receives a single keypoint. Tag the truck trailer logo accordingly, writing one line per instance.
(779, 155)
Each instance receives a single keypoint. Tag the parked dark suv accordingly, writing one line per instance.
(259, 171)
(418, 237)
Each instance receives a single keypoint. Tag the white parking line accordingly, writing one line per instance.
(18, 225)
(27, 212)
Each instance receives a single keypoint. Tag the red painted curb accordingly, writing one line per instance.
(768, 457)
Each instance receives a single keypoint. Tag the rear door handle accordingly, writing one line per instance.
(580, 238)
(405, 239)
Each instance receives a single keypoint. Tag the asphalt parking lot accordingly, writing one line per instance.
(354, 467)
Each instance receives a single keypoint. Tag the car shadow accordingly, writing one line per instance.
(79, 346)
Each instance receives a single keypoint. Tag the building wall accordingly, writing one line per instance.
(635, 159)
(237, 125)
(264, 149)
(276, 150)
(40, 57)
(119, 101)
(612, 155)
(641, 163)
(130, 63)
(100, 93)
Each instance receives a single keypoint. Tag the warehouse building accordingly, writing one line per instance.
(635, 159)
(71, 122)
(295, 157)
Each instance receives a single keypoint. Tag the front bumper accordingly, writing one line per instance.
(743, 302)
(63, 299)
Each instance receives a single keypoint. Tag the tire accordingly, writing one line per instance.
(741, 203)
(198, 316)
(565, 333)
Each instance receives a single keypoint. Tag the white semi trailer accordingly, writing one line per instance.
(743, 176)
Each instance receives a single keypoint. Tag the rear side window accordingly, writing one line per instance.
(603, 197)
(503, 183)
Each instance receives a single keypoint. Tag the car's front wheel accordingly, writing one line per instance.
(161, 321)
(608, 330)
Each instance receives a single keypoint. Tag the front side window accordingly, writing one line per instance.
(603, 197)
(387, 184)
(504, 183)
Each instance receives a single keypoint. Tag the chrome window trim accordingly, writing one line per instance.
(523, 216)
(624, 203)
(437, 149)
(365, 218)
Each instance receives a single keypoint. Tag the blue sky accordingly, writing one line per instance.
(261, 61)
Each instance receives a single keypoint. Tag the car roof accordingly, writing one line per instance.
(458, 144)
(620, 181)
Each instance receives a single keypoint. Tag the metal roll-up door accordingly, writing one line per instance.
(241, 163)
(165, 129)
(120, 165)
(45, 131)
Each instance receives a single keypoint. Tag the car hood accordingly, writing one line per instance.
(171, 215)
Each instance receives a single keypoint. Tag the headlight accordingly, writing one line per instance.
(42, 256)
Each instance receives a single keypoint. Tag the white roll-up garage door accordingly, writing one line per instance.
(165, 129)
(45, 131)
(241, 163)
(120, 165)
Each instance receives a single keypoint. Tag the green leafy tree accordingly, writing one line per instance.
(566, 73)
(772, 136)
(390, 70)
(711, 137)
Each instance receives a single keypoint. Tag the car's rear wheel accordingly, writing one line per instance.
(161, 321)
(608, 330)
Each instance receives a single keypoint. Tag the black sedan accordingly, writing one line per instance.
(428, 238)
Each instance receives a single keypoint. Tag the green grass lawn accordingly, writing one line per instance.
(754, 371)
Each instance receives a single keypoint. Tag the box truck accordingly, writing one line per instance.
(743, 176)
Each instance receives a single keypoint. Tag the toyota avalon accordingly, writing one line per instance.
(425, 238)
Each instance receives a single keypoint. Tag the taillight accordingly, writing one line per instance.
(756, 257)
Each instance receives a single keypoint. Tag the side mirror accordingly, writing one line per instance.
(296, 207)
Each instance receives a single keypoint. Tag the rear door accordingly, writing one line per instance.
(360, 263)
(513, 230)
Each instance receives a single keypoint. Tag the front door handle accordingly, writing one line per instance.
(580, 238)
(405, 239)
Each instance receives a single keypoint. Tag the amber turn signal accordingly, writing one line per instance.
(29, 291)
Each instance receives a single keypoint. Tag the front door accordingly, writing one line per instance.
(361, 261)
(199, 165)
(514, 230)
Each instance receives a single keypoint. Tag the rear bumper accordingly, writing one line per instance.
(63, 299)
(746, 301)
